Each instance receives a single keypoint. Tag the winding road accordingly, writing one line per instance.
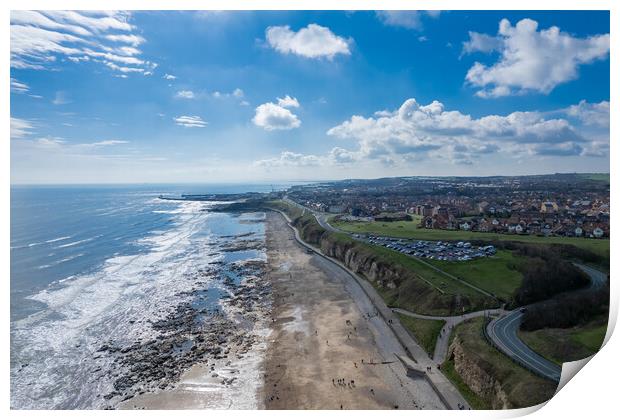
(503, 332)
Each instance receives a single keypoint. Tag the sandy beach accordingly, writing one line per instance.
(327, 350)
(315, 342)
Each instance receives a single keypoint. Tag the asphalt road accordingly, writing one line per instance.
(598, 279)
(503, 332)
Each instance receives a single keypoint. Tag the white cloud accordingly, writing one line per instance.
(50, 142)
(288, 102)
(108, 143)
(290, 159)
(338, 155)
(40, 39)
(416, 129)
(185, 94)
(409, 19)
(481, 43)
(335, 157)
(562, 149)
(530, 59)
(274, 117)
(416, 133)
(169, 77)
(20, 128)
(18, 87)
(190, 121)
(313, 41)
(595, 114)
(134, 40)
(237, 93)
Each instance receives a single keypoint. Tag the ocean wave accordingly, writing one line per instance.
(32, 244)
(55, 263)
(84, 311)
(70, 244)
(62, 238)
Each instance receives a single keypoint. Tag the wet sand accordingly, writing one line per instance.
(323, 330)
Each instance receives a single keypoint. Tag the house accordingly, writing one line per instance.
(424, 210)
(440, 211)
(548, 207)
(515, 228)
(485, 226)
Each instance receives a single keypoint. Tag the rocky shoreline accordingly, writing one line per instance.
(213, 326)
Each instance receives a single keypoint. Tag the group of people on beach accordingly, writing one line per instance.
(371, 315)
(342, 382)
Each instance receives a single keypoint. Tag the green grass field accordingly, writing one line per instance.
(596, 177)
(496, 274)
(567, 344)
(425, 331)
(523, 388)
(410, 230)
(438, 280)
(292, 211)
(591, 338)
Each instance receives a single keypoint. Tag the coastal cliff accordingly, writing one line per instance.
(399, 285)
(477, 375)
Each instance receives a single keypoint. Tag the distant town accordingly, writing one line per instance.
(569, 205)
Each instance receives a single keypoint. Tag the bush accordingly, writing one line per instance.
(566, 310)
(544, 278)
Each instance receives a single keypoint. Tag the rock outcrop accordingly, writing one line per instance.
(477, 376)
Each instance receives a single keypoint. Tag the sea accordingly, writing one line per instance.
(92, 265)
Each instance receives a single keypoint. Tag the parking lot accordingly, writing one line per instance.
(433, 250)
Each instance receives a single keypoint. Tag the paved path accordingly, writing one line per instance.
(421, 362)
(443, 341)
(503, 332)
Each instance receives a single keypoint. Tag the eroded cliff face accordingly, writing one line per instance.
(476, 375)
(381, 273)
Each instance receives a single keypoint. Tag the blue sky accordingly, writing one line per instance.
(107, 97)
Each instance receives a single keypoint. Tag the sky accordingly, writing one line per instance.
(208, 97)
